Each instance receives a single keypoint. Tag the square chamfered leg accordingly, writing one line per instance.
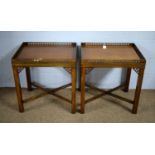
(138, 90)
(83, 78)
(28, 78)
(18, 89)
(73, 72)
(127, 81)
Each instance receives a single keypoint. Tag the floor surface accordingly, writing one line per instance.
(52, 109)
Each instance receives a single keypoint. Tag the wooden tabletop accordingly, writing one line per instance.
(40, 52)
(109, 52)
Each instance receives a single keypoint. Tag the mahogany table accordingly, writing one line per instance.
(112, 55)
(41, 54)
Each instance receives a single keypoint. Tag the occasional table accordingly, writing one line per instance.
(111, 55)
(41, 54)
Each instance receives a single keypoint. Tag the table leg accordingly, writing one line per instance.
(138, 90)
(82, 105)
(127, 82)
(73, 90)
(79, 79)
(18, 89)
(28, 78)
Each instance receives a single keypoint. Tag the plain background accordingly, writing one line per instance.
(54, 77)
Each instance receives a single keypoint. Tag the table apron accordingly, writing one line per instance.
(113, 65)
(45, 65)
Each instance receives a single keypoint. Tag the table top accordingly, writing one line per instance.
(110, 52)
(46, 52)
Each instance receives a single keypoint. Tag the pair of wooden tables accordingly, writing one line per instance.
(93, 55)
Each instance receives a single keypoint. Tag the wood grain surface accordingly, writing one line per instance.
(109, 52)
(47, 52)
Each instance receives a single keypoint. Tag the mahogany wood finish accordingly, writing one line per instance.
(83, 79)
(44, 54)
(128, 75)
(112, 55)
(18, 89)
(28, 78)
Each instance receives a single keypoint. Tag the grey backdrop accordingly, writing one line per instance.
(53, 77)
